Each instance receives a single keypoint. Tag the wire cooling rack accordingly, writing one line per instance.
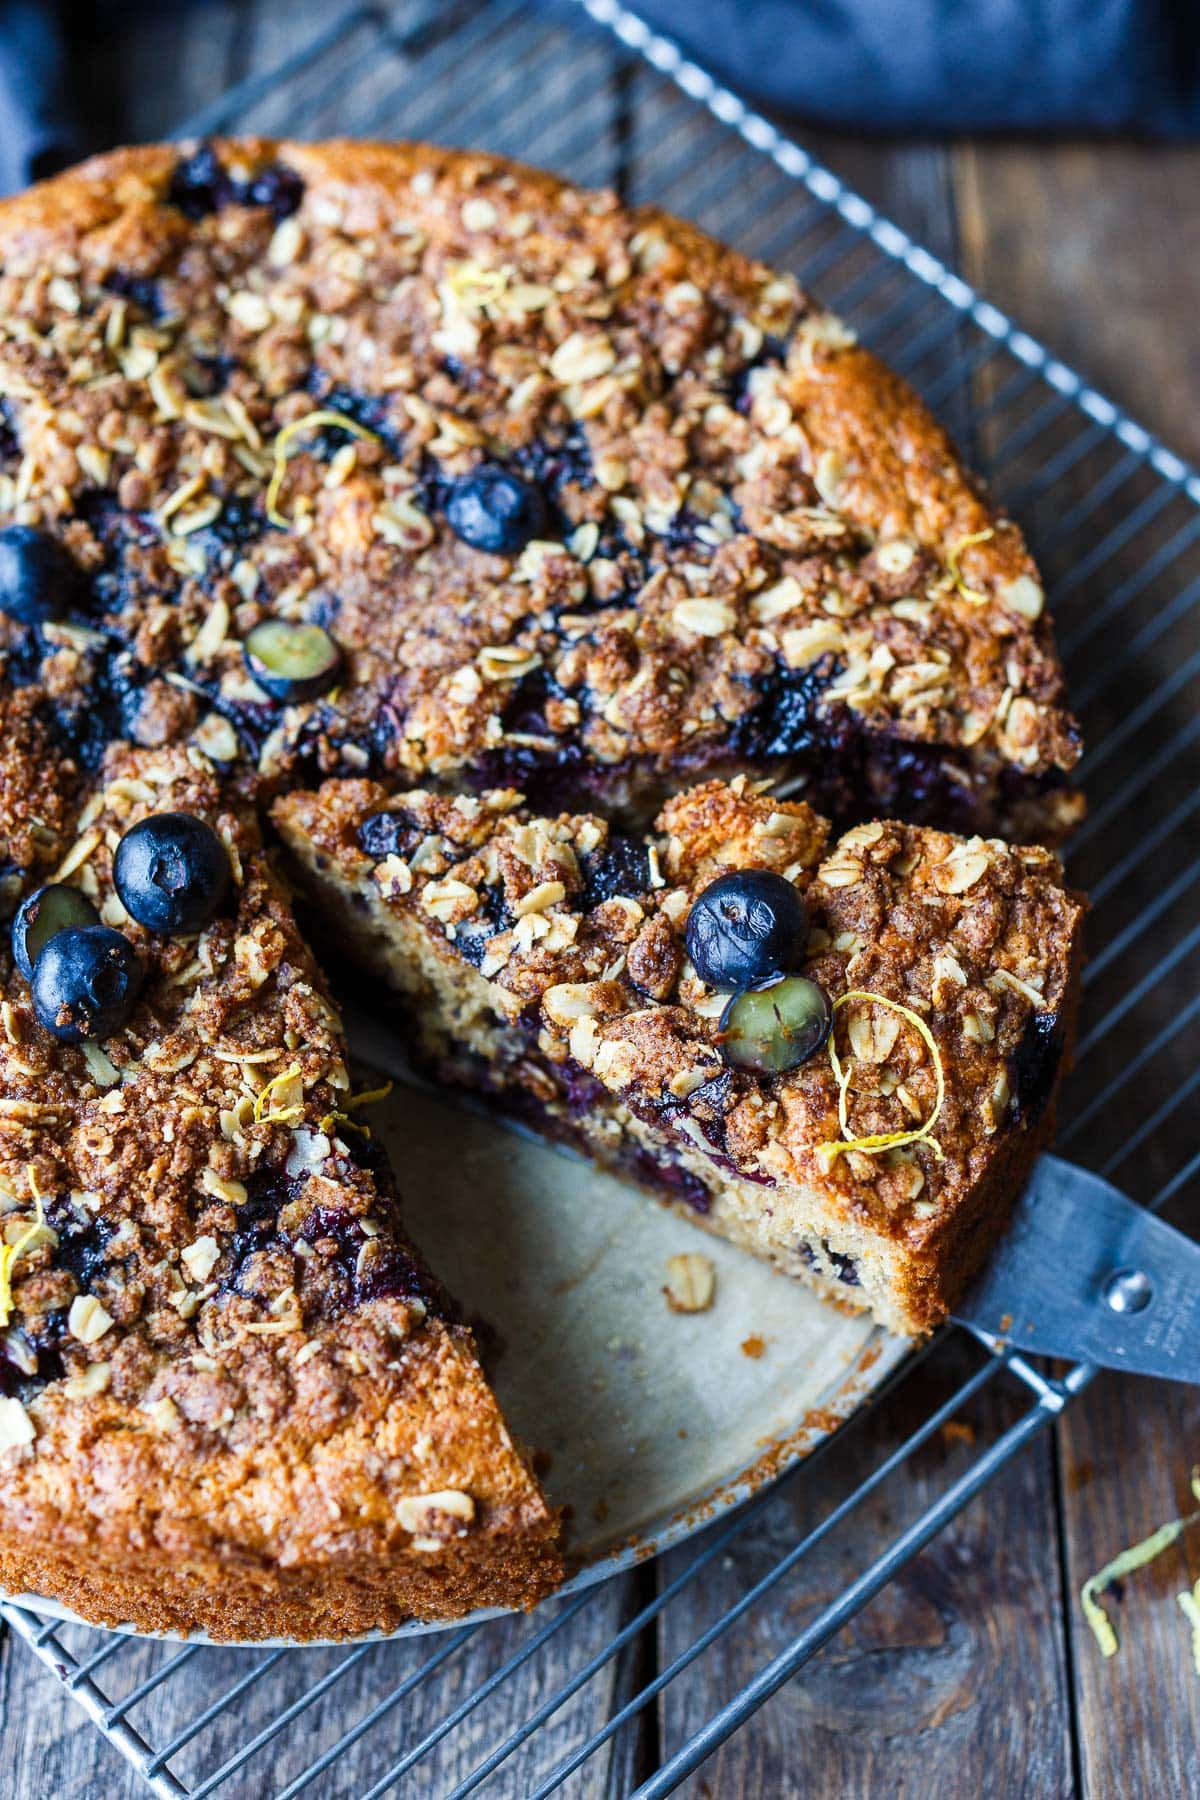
(1114, 516)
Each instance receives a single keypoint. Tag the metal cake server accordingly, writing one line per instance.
(1083, 1272)
(1086, 1274)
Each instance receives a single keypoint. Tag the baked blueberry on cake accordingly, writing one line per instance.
(840, 1053)
(463, 518)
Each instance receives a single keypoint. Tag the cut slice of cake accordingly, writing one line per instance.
(581, 500)
(233, 1397)
(546, 962)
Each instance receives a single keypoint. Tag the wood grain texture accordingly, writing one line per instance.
(953, 1681)
(1095, 248)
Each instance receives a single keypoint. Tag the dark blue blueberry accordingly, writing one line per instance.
(277, 187)
(209, 375)
(494, 510)
(670, 1180)
(466, 375)
(844, 1267)
(683, 531)
(39, 581)
(373, 1268)
(172, 873)
(199, 185)
(389, 834)
(372, 411)
(109, 710)
(582, 1092)
(10, 442)
(621, 867)
(745, 927)
(142, 290)
(239, 522)
(774, 350)
(85, 983)
(12, 879)
(555, 463)
(82, 1242)
(787, 718)
(44, 913)
(471, 942)
(1033, 1065)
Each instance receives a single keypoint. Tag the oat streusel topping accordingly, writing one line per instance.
(755, 545)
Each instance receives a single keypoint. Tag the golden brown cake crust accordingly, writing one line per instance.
(235, 1399)
(759, 547)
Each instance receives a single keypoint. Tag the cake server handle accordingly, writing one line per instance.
(1086, 1274)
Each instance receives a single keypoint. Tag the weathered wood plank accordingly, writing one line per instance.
(952, 1681)
(920, 1693)
(1092, 247)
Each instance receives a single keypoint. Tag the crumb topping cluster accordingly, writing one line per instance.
(243, 384)
(580, 933)
(209, 1215)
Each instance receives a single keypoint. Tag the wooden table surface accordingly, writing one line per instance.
(974, 1674)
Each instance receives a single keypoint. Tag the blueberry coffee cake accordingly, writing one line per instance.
(841, 1054)
(464, 518)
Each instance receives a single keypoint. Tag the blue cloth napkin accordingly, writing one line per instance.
(1129, 66)
(923, 66)
(38, 129)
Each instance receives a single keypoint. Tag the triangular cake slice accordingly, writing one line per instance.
(233, 1396)
(544, 960)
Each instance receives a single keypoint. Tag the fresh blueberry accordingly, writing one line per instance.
(38, 579)
(44, 913)
(776, 1025)
(172, 873)
(745, 927)
(494, 510)
(239, 522)
(85, 983)
(292, 661)
(142, 290)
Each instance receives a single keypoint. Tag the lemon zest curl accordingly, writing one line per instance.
(369, 1096)
(9, 1253)
(265, 1110)
(1190, 1604)
(279, 452)
(882, 1140)
(1136, 1557)
(976, 596)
